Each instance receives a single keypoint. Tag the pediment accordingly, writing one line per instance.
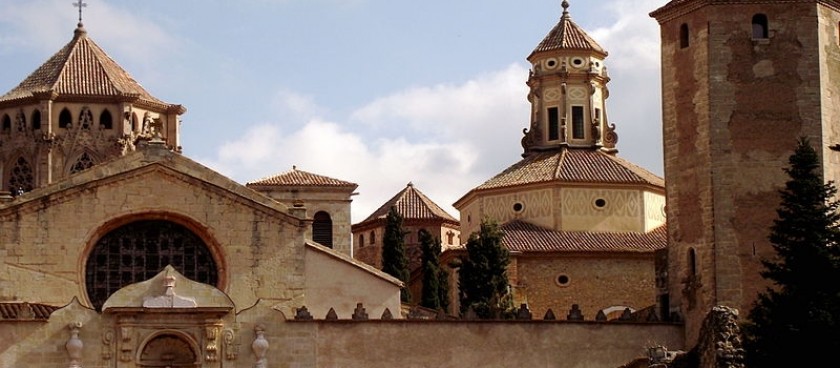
(168, 290)
(157, 167)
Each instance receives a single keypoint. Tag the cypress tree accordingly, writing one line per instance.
(797, 321)
(435, 292)
(483, 283)
(394, 260)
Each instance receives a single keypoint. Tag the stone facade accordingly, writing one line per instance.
(741, 82)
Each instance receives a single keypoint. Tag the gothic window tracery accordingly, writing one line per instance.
(322, 229)
(21, 178)
(85, 118)
(105, 120)
(84, 162)
(65, 120)
(20, 121)
(139, 250)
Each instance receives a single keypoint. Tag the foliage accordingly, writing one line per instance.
(435, 292)
(483, 279)
(394, 260)
(798, 320)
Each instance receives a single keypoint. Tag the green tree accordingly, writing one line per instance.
(483, 283)
(394, 260)
(796, 323)
(435, 292)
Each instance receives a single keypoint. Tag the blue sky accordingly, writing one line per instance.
(377, 92)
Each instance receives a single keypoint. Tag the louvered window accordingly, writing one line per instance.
(138, 251)
(322, 229)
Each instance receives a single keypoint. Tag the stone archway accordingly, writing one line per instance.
(168, 350)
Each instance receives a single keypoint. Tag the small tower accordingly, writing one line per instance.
(742, 80)
(78, 109)
(568, 91)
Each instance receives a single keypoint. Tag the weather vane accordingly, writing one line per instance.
(80, 4)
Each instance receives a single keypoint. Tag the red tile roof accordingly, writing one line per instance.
(572, 165)
(567, 35)
(25, 311)
(525, 237)
(295, 177)
(412, 204)
(81, 68)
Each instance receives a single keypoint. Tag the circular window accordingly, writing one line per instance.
(600, 203)
(518, 207)
(563, 280)
(551, 63)
(139, 250)
(577, 62)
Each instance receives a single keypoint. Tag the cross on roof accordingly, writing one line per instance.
(80, 4)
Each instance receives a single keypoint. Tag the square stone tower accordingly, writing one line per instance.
(741, 81)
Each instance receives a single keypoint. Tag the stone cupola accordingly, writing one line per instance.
(568, 92)
(78, 109)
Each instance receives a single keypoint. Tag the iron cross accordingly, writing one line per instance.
(80, 4)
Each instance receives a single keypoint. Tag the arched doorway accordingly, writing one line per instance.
(139, 250)
(168, 350)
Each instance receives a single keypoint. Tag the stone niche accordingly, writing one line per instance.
(169, 321)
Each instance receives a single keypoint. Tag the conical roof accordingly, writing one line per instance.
(567, 35)
(81, 68)
(412, 204)
(295, 177)
(571, 165)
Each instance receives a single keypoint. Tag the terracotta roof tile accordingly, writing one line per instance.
(25, 311)
(81, 68)
(567, 35)
(412, 204)
(525, 237)
(295, 177)
(573, 165)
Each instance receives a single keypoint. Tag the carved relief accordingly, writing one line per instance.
(552, 94)
(211, 347)
(620, 203)
(169, 299)
(107, 339)
(610, 136)
(231, 344)
(126, 347)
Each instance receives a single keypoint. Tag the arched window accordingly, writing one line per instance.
(85, 118)
(105, 120)
(361, 240)
(134, 122)
(65, 120)
(36, 119)
(20, 121)
(7, 124)
(140, 250)
(322, 229)
(372, 237)
(759, 26)
(683, 36)
(21, 178)
(84, 162)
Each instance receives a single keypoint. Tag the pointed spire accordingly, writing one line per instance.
(565, 5)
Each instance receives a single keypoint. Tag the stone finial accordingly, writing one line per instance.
(549, 315)
(575, 314)
(601, 316)
(524, 313)
(331, 315)
(303, 314)
(169, 299)
(74, 346)
(359, 314)
(260, 347)
(386, 315)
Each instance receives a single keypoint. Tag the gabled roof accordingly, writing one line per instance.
(525, 237)
(81, 68)
(412, 204)
(567, 35)
(573, 165)
(295, 177)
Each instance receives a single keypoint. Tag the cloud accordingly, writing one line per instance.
(445, 139)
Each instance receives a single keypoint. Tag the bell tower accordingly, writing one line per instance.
(741, 82)
(568, 91)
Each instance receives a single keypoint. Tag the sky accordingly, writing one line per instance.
(376, 92)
